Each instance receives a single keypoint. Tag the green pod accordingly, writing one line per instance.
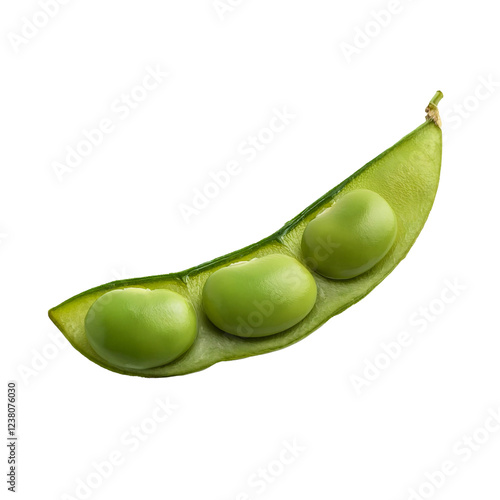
(351, 236)
(259, 297)
(406, 175)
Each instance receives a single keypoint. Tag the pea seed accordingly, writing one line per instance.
(351, 236)
(140, 328)
(260, 297)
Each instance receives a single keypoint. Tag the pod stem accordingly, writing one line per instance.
(432, 109)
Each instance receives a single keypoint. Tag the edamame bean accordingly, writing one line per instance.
(259, 297)
(140, 328)
(238, 297)
(350, 237)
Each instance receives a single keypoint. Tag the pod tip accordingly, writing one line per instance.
(432, 109)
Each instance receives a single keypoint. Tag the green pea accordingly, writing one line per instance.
(259, 297)
(351, 236)
(139, 328)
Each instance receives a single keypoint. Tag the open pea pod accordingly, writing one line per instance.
(405, 175)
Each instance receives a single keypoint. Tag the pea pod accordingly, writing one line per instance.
(406, 176)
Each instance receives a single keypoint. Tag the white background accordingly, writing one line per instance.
(117, 214)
